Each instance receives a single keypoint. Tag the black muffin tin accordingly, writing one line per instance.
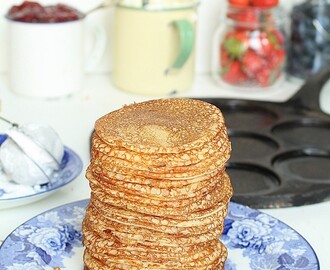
(280, 151)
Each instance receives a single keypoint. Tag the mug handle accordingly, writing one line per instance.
(187, 38)
(97, 50)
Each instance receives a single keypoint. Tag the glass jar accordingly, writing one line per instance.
(309, 41)
(249, 47)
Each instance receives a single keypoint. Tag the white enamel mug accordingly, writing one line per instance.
(46, 60)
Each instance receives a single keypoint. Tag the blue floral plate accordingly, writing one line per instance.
(255, 241)
(71, 167)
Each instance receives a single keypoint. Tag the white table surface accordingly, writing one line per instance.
(73, 118)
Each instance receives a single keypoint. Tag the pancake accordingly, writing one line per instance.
(202, 257)
(164, 195)
(155, 181)
(161, 126)
(153, 189)
(115, 164)
(159, 188)
(185, 158)
(152, 206)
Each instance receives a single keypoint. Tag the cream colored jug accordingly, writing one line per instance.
(154, 46)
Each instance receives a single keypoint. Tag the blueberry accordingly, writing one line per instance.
(309, 49)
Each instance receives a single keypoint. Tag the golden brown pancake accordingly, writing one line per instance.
(159, 189)
(161, 126)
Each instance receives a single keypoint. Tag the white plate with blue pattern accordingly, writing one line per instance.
(254, 240)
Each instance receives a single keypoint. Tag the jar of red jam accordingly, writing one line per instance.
(249, 45)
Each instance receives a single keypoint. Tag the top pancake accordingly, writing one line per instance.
(162, 126)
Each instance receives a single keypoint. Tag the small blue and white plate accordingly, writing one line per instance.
(254, 240)
(17, 195)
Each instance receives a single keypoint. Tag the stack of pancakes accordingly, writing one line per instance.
(159, 190)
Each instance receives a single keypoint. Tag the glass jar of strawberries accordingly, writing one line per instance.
(249, 45)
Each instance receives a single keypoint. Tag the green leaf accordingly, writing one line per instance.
(235, 47)
(273, 39)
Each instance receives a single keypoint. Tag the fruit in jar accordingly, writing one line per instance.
(309, 43)
(233, 73)
(265, 77)
(252, 62)
(246, 15)
(277, 59)
(33, 12)
(264, 3)
(254, 3)
(239, 2)
(259, 61)
(236, 43)
(252, 46)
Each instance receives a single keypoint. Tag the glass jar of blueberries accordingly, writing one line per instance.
(309, 41)
(249, 46)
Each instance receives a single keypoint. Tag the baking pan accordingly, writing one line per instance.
(280, 151)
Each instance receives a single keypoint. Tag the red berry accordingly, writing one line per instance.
(247, 16)
(252, 62)
(277, 59)
(264, 45)
(236, 43)
(264, 3)
(233, 73)
(265, 77)
(239, 2)
(225, 58)
(276, 37)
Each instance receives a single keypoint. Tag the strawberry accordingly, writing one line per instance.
(267, 43)
(233, 73)
(276, 37)
(246, 18)
(263, 77)
(236, 43)
(266, 77)
(276, 59)
(224, 57)
(252, 62)
(264, 3)
(240, 3)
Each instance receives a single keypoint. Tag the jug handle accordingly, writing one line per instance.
(94, 55)
(187, 38)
